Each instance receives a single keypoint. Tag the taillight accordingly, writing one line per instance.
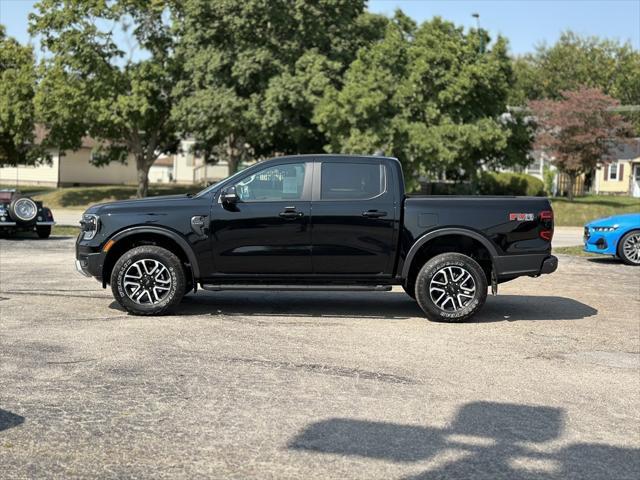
(546, 221)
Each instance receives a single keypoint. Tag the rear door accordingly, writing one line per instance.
(354, 215)
(268, 231)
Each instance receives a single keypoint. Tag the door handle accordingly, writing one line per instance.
(374, 214)
(290, 214)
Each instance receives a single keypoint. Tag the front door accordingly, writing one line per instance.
(636, 180)
(354, 215)
(268, 230)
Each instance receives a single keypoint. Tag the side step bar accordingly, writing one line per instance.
(306, 288)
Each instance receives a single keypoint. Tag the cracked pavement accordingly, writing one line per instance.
(544, 384)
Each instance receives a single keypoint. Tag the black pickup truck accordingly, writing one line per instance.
(316, 222)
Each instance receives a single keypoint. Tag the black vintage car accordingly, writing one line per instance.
(19, 213)
(325, 222)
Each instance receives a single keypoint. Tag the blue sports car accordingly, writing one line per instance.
(618, 235)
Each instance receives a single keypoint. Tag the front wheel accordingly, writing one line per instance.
(629, 248)
(451, 287)
(148, 280)
(43, 231)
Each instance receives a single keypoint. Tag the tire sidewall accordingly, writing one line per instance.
(14, 216)
(621, 243)
(168, 259)
(427, 272)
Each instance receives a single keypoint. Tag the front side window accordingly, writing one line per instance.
(277, 183)
(613, 171)
(352, 181)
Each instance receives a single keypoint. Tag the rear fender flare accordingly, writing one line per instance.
(439, 233)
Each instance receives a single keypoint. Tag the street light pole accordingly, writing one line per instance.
(477, 17)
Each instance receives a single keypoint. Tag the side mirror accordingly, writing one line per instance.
(229, 196)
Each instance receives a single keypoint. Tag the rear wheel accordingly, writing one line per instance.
(44, 231)
(148, 280)
(451, 287)
(629, 248)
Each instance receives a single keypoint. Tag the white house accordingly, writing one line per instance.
(75, 168)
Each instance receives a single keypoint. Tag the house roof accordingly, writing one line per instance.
(40, 133)
(164, 161)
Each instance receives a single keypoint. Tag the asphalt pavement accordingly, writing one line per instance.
(543, 384)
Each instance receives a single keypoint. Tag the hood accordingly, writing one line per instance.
(138, 203)
(627, 219)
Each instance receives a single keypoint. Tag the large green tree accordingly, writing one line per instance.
(574, 62)
(433, 96)
(255, 70)
(91, 87)
(17, 111)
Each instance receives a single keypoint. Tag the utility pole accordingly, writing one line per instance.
(477, 17)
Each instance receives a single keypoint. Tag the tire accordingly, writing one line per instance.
(443, 275)
(162, 280)
(44, 231)
(629, 248)
(23, 210)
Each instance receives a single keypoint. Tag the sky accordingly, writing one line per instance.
(526, 23)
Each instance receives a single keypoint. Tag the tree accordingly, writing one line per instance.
(89, 87)
(431, 96)
(17, 111)
(256, 68)
(579, 130)
(575, 61)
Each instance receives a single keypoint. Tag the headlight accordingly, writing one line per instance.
(90, 224)
(605, 229)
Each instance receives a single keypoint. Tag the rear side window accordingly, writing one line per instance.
(352, 181)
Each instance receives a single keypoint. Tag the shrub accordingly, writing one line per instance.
(492, 183)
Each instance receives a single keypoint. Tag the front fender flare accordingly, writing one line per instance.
(182, 243)
(439, 233)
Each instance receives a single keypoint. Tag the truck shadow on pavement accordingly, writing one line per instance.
(486, 440)
(373, 305)
(8, 420)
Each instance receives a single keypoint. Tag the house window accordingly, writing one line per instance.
(613, 171)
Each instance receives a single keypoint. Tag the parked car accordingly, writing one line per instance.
(618, 236)
(309, 222)
(19, 213)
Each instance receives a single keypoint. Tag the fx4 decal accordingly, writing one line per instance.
(522, 217)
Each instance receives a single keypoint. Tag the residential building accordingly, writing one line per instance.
(620, 176)
(75, 168)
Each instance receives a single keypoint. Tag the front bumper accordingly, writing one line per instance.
(82, 268)
(600, 242)
(90, 264)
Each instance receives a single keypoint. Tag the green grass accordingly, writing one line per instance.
(83, 197)
(585, 209)
(575, 251)
(61, 231)
(28, 189)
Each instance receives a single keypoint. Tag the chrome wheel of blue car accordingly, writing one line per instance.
(630, 248)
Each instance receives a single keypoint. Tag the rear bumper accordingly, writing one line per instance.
(512, 266)
(27, 226)
(549, 265)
